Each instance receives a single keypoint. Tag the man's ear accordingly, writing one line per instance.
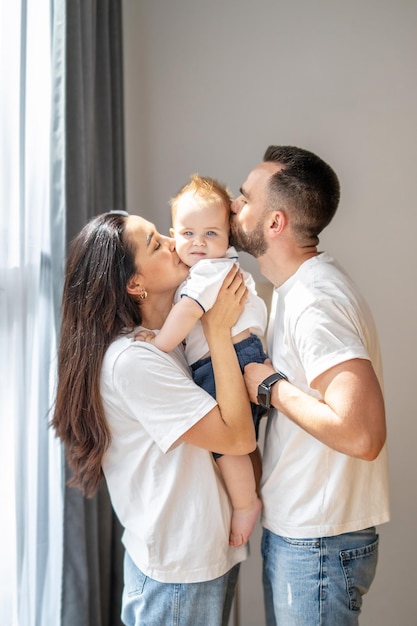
(171, 232)
(277, 222)
(133, 286)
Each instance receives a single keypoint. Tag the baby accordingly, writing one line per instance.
(200, 226)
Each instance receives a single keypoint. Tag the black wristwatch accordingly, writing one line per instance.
(264, 389)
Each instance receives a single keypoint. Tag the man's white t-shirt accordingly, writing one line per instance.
(169, 496)
(319, 320)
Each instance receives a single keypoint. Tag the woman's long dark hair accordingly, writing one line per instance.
(95, 309)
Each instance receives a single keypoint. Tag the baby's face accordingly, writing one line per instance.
(201, 230)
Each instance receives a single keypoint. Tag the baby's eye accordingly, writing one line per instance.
(211, 233)
(188, 233)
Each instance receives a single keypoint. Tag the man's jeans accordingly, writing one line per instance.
(147, 602)
(317, 582)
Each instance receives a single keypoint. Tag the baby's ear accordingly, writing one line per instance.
(171, 232)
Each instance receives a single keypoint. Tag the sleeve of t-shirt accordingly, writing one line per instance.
(156, 391)
(328, 333)
(205, 279)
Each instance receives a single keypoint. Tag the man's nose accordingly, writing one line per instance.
(236, 205)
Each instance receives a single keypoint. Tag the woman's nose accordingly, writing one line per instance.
(171, 243)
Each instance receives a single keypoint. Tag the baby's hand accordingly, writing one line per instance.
(145, 335)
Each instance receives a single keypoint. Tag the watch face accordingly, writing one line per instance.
(264, 397)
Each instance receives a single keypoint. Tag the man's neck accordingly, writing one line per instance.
(279, 268)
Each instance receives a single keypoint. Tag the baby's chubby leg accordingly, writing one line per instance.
(238, 475)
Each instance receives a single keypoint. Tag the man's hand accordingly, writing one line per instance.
(254, 374)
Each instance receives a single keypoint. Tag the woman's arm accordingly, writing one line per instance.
(228, 428)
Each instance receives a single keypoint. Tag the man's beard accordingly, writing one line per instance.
(254, 243)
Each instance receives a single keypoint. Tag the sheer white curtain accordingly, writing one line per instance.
(31, 261)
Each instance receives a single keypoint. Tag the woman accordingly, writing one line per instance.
(132, 413)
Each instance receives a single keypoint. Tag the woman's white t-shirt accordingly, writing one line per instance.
(169, 496)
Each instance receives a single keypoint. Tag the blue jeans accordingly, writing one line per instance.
(147, 602)
(317, 582)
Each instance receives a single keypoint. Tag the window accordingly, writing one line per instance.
(31, 265)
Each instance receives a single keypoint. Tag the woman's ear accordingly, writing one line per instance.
(133, 286)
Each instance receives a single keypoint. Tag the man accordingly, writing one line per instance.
(325, 478)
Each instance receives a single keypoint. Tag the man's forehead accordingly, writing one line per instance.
(259, 177)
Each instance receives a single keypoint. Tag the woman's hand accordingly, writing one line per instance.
(229, 304)
(227, 428)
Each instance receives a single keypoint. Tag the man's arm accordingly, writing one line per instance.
(350, 417)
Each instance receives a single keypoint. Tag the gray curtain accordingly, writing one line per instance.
(94, 174)
(94, 110)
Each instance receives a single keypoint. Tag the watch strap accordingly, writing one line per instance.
(275, 377)
(264, 389)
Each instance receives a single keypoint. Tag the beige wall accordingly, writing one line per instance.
(209, 84)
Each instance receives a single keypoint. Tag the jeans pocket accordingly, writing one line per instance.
(134, 579)
(359, 566)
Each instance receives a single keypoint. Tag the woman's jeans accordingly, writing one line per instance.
(317, 582)
(147, 602)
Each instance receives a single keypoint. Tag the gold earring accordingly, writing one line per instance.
(143, 294)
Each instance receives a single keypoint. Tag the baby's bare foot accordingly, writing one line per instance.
(243, 523)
